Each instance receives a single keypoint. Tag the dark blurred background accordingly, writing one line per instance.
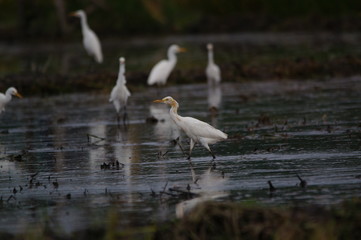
(48, 19)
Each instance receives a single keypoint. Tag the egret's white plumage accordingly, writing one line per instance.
(120, 93)
(90, 40)
(195, 129)
(6, 98)
(213, 72)
(161, 71)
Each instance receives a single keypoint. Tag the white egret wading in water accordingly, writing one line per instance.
(212, 71)
(120, 93)
(161, 71)
(195, 129)
(5, 98)
(90, 40)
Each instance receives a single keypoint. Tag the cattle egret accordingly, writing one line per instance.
(161, 71)
(5, 98)
(90, 40)
(195, 129)
(120, 93)
(212, 71)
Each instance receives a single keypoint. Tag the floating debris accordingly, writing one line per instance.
(114, 165)
(56, 184)
(271, 187)
(263, 119)
(17, 157)
(105, 166)
(303, 183)
(11, 197)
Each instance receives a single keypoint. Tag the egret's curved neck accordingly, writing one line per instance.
(84, 23)
(172, 56)
(121, 71)
(210, 57)
(174, 110)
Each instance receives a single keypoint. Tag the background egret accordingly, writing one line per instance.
(212, 71)
(195, 129)
(90, 40)
(120, 93)
(5, 98)
(161, 71)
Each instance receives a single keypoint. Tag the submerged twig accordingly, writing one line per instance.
(94, 136)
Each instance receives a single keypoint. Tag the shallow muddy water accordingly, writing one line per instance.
(55, 151)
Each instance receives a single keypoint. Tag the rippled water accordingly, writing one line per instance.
(52, 150)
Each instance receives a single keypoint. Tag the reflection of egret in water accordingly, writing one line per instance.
(123, 152)
(207, 186)
(165, 129)
(59, 135)
(97, 151)
(214, 97)
(214, 101)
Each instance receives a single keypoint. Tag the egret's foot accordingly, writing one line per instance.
(189, 157)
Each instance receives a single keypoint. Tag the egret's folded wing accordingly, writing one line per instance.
(159, 72)
(202, 129)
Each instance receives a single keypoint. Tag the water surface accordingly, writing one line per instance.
(52, 151)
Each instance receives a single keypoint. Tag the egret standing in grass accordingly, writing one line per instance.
(6, 98)
(212, 71)
(90, 40)
(120, 93)
(195, 129)
(161, 71)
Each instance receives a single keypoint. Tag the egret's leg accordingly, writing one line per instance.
(205, 144)
(125, 115)
(118, 119)
(214, 157)
(191, 146)
(177, 142)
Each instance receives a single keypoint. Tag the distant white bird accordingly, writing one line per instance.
(5, 98)
(161, 71)
(212, 71)
(120, 93)
(195, 129)
(90, 40)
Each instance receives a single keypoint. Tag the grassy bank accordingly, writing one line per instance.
(214, 220)
(239, 62)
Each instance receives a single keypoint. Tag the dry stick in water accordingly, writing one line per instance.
(94, 136)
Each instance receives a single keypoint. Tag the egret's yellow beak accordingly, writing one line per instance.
(182, 50)
(73, 14)
(158, 101)
(18, 95)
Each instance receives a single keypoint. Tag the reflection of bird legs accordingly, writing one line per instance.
(194, 177)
